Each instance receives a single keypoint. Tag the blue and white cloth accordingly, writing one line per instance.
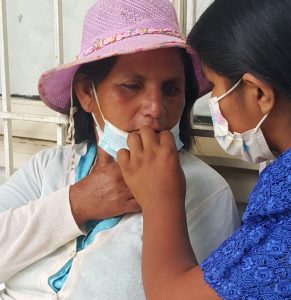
(57, 280)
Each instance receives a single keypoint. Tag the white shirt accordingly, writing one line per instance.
(38, 232)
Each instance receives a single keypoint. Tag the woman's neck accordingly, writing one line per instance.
(278, 129)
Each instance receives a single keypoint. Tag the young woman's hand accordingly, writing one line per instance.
(151, 168)
(152, 171)
(103, 193)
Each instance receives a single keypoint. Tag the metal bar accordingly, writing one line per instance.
(190, 12)
(194, 11)
(59, 57)
(59, 120)
(5, 81)
(58, 28)
(181, 6)
(184, 17)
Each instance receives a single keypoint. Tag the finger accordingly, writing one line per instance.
(134, 143)
(167, 139)
(123, 157)
(149, 137)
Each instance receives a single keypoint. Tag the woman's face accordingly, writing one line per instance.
(239, 108)
(146, 88)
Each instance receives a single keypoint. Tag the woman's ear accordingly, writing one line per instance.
(263, 92)
(83, 89)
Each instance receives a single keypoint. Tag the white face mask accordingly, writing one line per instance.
(112, 139)
(249, 146)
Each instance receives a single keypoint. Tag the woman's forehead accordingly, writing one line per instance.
(159, 61)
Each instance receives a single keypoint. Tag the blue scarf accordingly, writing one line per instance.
(57, 280)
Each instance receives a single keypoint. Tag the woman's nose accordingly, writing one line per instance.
(153, 105)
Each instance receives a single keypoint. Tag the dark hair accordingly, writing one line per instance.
(234, 37)
(84, 121)
(191, 94)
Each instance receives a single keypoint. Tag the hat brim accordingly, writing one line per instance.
(54, 85)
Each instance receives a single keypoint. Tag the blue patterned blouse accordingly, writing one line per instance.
(255, 263)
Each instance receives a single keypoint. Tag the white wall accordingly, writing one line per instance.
(201, 6)
(194, 10)
(31, 38)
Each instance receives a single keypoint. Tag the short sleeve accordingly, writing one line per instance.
(254, 263)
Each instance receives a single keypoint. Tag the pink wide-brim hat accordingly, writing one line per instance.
(118, 27)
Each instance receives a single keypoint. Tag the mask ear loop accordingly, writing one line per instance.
(98, 104)
(99, 130)
(229, 91)
(71, 129)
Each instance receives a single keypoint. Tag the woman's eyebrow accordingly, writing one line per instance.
(133, 76)
(176, 79)
(138, 77)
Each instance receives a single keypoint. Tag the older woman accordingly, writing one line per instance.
(70, 227)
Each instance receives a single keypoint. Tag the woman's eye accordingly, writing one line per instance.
(131, 86)
(171, 90)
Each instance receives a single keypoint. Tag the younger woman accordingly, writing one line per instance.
(245, 47)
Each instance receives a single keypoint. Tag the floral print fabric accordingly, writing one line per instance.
(255, 263)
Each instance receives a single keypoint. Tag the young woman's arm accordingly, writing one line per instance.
(154, 175)
(168, 265)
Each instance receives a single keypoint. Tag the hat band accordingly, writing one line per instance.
(100, 43)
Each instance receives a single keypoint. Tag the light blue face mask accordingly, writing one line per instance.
(112, 139)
